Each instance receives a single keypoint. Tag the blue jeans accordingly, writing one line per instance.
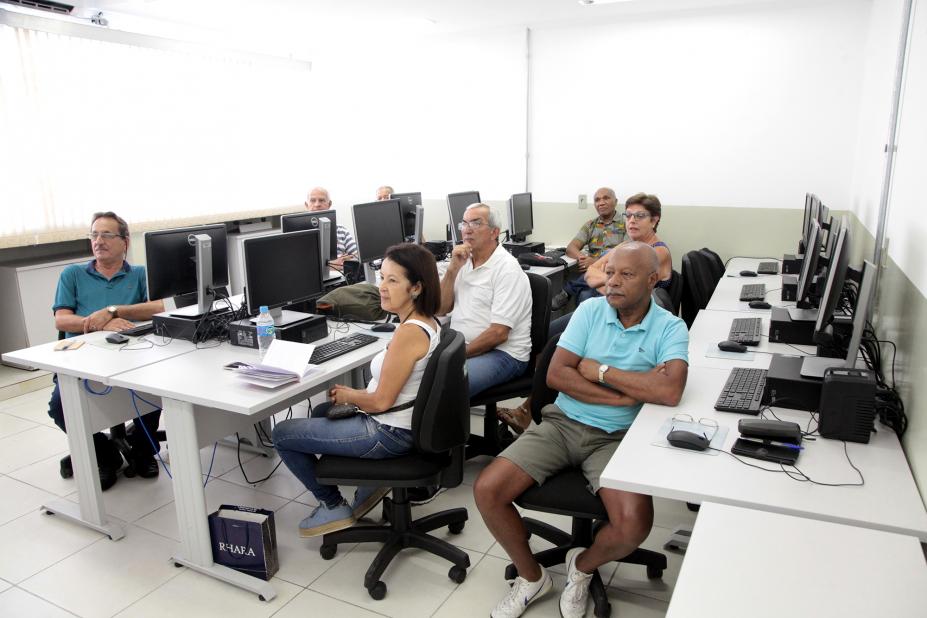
(301, 440)
(493, 367)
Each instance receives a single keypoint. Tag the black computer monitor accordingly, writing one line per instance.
(310, 221)
(456, 205)
(407, 204)
(282, 269)
(833, 230)
(521, 216)
(170, 260)
(833, 289)
(809, 265)
(377, 226)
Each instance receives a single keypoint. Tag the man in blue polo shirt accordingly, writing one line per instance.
(617, 353)
(106, 294)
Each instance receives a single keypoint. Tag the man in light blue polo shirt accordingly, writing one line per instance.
(106, 294)
(617, 353)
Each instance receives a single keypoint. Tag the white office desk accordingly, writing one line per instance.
(710, 327)
(85, 414)
(889, 500)
(737, 264)
(726, 296)
(748, 563)
(203, 402)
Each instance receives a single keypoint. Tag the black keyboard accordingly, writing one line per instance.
(138, 331)
(555, 253)
(743, 391)
(746, 331)
(753, 291)
(768, 268)
(336, 348)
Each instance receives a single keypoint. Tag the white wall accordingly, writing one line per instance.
(729, 107)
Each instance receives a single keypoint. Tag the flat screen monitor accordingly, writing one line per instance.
(170, 260)
(310, 221)
(521, 216)
(282, 269)
(377, 226)
(456, 205)
(833, 289)
(812, 207)
(809, 264)
(833, 230)
(407, 204)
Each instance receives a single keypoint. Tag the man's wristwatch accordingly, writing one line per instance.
(113, 311)
(602, 370)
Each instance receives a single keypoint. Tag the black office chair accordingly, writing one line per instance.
(700, 275)
(675, 292)
(495, 436)
(566, 493)
(440, 425)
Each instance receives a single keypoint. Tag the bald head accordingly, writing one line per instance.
(605, 202)
(632, 272)
(640, 253)
(384, 192)
(318, 199)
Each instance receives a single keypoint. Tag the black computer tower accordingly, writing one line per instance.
(847, 410)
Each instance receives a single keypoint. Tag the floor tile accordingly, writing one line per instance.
(281, 483)
(475, 536)
(16, 602)
(195, 594)
(33, 398)
(46, 476)
(633, 578)
(226, 459)
(417, 582)
(131, 499)
(19, 499)
(300, 562)
(38, 540)
(4, 585)
(10, 425)
(312, 603)
(30, 446)
(108, 576)
(672, 513)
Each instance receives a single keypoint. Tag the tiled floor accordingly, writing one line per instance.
(49, 567)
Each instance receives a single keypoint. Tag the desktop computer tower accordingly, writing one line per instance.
(783, 329)
(787, 388)
(847, 409)
(517, 248)
(791, 264)
(314, 327)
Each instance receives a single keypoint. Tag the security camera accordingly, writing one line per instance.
(99, 20)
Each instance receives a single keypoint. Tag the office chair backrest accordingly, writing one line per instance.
(541, 394)
(700, 274)
(662, 298)
(540, 313)
(716, 266)
(675, 291)
(441, 416)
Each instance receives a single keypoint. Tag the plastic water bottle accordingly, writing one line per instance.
(265, 330)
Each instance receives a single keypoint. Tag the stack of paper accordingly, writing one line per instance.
(284, 362)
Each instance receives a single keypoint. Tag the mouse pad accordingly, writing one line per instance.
(714, 352)
(717, 439)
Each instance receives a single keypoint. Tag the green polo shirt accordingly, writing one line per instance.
(83, 290)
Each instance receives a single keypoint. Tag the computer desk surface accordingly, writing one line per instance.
(742, 562)
(889, 500)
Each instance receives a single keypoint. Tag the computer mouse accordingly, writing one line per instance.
(687, 439)
(386, 327)
(525, 267)
(760, 304)
(747, 273)
(116, 338)
(731, 346)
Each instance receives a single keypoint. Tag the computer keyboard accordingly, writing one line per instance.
(138, 331)
(743, 391)
(746, 331)
(768, 268)
(753, 291)
(336, 348)
(555, 253)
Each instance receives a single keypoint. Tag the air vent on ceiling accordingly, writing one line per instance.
(42, 5)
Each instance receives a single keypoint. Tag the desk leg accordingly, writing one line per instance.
(89, 510)
(190, 502)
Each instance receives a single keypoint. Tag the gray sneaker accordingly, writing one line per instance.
(323, 520)
(575, 595)
(522, 594)
(365, 498)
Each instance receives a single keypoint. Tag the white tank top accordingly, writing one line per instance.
(403, 418)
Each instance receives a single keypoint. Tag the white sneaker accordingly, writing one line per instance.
(576, 592)
(522, 594)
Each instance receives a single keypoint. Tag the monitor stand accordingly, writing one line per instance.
(370, 274)
(285, 317)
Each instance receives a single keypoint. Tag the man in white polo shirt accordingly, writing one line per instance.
(488, 297)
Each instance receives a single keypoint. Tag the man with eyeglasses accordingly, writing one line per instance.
(594, 238)
(488, 297)
(617, 353)
(106, 294)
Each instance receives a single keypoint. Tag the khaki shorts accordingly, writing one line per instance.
(559, 443)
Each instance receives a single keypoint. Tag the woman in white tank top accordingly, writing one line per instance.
(410, 288)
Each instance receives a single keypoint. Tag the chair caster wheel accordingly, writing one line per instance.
(456, 527)
(457, 574)
(654, 573)
(378, 591)
(177, 565)
(328, 551)
(510, 572)
(261, 598)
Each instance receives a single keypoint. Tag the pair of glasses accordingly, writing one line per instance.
(704, 424)
(640, 215)
(103, 235)
(473, 225)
